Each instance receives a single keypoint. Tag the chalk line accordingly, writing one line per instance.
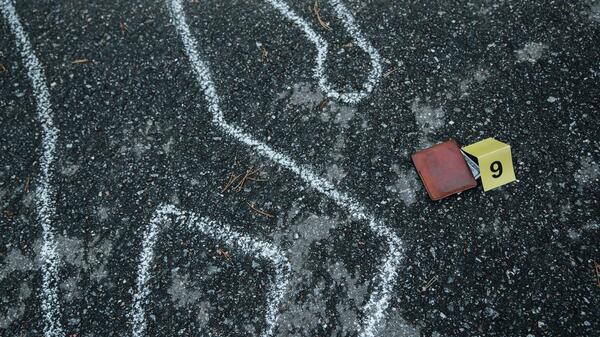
(45, 193)
(217, 231)
(387, 272)
(318, 72)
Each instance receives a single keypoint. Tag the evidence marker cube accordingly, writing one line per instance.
(495, 162)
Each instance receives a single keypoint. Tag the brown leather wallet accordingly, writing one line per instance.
(443, 170)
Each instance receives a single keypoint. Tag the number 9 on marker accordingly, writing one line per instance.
(495, 162)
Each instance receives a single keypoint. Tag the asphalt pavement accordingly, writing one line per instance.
(276, 181)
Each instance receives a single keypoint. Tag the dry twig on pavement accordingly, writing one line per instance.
(261, 212)
(317, 12)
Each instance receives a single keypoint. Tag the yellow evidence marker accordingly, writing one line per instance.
(495, 162)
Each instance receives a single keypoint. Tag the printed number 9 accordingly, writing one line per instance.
(496, 167)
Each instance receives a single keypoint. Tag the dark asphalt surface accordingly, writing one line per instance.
(135, 133)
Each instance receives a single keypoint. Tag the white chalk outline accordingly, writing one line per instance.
(349, 23)
(217, 231)
(45, 194)
(387, 272)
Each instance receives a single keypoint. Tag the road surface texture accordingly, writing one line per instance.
(242, 168)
